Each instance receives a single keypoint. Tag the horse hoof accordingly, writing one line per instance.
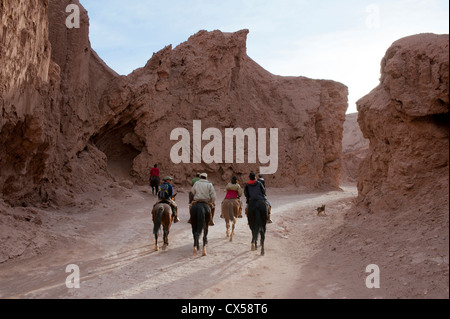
(156, 248)
(204, 252)
(195, 252)
(253, 247)
(263, 253)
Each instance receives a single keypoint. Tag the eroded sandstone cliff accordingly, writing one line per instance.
(70, 124)
(211, 78)
(51, 82)
(406, 120)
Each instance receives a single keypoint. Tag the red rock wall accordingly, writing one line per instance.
(51, 84)
(27, 76)
(406, 120)
(69, 124)
(211, 78)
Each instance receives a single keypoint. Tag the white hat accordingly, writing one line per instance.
(204, 175)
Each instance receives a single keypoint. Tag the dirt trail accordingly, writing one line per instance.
(114, 249)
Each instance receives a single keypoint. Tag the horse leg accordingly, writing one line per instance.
(263, 237)
(196, 244)
(232, 230)
(156, 242)
(204, 251)
(228, 227)
(255, 241)
(205, 240)
(166, 238)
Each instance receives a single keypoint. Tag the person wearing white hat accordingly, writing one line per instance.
(204, 192)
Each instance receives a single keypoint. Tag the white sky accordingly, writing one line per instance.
(337, 40)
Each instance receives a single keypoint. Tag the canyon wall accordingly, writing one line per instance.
(70, 125)
(51, 84)
(354, 149)
(406, 120)
(211, 78)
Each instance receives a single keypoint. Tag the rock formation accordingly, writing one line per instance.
(354, 150)
(211, 78)
(70, 124)
(406, 120)
(51, 84)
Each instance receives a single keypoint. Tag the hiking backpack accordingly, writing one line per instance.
(163, 192)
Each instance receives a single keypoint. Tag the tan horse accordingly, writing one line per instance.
(231, 209)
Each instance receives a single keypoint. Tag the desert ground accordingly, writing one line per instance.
(307, 256)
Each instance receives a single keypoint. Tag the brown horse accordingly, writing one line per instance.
(162, 216)
(230, 212)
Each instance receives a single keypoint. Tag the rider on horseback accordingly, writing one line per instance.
(165, 195)
(204, 192)
(234, 192)
(154, 179)
(255, 192)
(154, 172)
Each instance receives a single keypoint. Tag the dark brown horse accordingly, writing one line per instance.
(200, 218)
(154, 183)
(162, 216)
(257, 220)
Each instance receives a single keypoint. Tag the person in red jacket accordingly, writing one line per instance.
(154, 179)
(154, 172)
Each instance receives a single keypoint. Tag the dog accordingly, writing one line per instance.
(321, 211)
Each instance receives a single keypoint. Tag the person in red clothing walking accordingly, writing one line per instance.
(154, 179)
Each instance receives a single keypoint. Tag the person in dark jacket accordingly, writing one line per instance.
(165, 194)
(255, 193)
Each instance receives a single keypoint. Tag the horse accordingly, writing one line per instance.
(154, 183)
(257, 220)
(200, 218)
(230, 212)
(162, 216)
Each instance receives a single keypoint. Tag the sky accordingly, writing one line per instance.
(343, 41)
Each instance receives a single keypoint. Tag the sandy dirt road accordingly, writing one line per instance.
(114, 250)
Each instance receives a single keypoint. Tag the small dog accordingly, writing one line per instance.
(321, 211)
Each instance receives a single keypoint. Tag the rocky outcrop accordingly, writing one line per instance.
(70, 124)
(211, 78)
(406, 120)
(27, 93)
(354, 149)
(51, 84)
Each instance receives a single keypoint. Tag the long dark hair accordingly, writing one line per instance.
(234, 180)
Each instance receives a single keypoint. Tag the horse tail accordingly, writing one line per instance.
(260, 218)
(158, 220)
(258, 221)
(201, 220)
(231, 212)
